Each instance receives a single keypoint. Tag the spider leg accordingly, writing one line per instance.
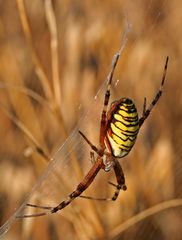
(119, 186)
(120, 180)
(38, 206)
(93, 147)
(109, 82)
(106, 98)
(147, 111)
(82, 186)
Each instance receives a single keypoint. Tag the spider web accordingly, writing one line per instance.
(152, 181)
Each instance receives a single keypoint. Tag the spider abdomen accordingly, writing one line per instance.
(123, 127)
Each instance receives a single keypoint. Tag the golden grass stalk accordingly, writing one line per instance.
(145, 214)
(38, 66)
(51, 20)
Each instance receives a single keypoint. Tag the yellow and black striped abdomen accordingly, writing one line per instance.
(123, 127)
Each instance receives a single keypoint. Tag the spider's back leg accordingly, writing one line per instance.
(147, 111)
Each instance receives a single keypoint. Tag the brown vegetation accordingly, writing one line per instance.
(54, 56)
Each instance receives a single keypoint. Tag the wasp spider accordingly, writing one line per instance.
(119, 128)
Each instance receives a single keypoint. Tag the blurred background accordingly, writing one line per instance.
(54, 60)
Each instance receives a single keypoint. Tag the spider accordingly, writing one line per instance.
(119, 127)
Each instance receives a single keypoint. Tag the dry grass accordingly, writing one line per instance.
(53, 59)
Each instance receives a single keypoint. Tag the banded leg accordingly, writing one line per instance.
(106, 99)
(147, 111)
(120, 180)
(109, 81)
(119, 186)
(80, 188)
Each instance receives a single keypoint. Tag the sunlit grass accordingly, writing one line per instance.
(53, 60)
